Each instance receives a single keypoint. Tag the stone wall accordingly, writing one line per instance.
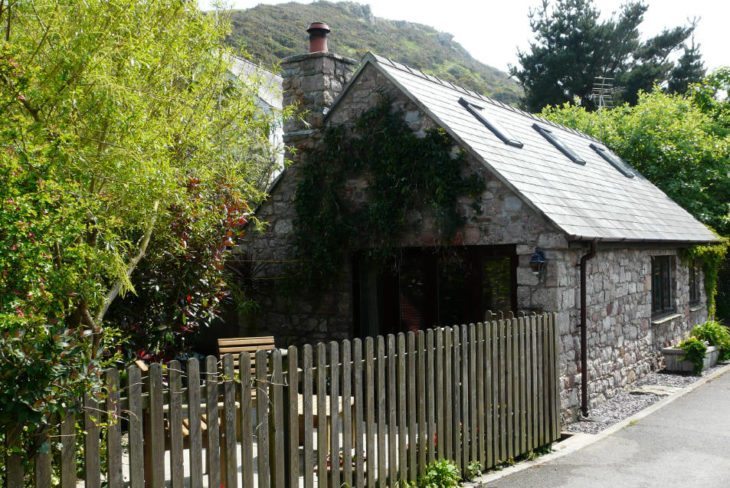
(623, 341)
(501, 217)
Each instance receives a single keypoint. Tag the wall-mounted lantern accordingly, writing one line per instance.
(538, 262)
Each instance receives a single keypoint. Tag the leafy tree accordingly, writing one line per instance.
(110, 111)
(573, 46)
(712, 96)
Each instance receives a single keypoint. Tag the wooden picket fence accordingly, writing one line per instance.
(484, 392)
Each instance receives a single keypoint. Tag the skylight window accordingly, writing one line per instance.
(490, 124)
(553, 139)
(614, 160)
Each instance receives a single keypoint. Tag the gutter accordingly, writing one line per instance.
(583, 330)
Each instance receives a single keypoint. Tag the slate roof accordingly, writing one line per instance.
(590, 201)
(269, 84)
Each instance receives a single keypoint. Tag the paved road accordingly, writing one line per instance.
(685, 444)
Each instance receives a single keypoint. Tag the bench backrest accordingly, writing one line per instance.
(237, 345)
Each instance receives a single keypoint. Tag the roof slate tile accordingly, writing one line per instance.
(594, 201)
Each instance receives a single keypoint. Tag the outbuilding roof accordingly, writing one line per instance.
(582, 187)
(268, 84)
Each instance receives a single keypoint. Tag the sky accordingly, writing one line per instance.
(492, 31)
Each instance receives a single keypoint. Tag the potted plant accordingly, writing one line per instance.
(715, 334)
(692, 355)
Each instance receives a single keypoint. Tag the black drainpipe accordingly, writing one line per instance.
(583, 331)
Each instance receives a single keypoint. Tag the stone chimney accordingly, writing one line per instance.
(312, 81)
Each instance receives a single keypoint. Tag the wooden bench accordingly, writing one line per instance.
(251, 345)
(237, 345)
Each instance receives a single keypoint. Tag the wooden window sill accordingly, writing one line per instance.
(663, 319)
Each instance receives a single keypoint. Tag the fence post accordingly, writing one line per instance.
(413, 409)
(439, 438)
(370, 425)
(475, 397)
(502, 390)
(402, 407)
(357, 361)
(382, 427)
(347, 407)
(392, 413)
(293, 400)
(114, 431)
(334, 395)
(307, 410)
(136, 436)
(157, 429)
(92, 465)
(262, 414)
(176, 424)
(196, 436)
(456, 394)
(276, 421)
(522, 359)
(509, 373)
(431, 386)
(446, 395)
(492, 395)
(321, 415)
(555, 376)
(247, 386)
(229, 460)
(528, 384)
(481, 371)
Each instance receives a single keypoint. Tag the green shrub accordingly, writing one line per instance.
(441, 473)
(694, 351)
(716, 335)
(473, 470)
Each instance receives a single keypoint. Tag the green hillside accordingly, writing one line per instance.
(271, 32)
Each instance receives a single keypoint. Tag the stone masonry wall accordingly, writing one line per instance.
(623, 342)
(503, 218)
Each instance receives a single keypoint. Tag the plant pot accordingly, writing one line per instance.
(675, 362)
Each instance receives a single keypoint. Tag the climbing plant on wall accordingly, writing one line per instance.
(403, 172)
(711, 256)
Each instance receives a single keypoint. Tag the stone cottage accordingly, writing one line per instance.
(556, 206)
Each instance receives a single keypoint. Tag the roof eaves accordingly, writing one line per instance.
(580, 238)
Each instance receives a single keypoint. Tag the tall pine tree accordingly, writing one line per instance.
(573, 46)
(688, 70)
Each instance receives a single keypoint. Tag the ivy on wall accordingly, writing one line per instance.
(403, 173)
(711, 256)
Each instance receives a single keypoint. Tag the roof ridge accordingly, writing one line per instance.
(255, 66)
(435, 79)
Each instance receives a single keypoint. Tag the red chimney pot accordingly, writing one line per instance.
(318, 37)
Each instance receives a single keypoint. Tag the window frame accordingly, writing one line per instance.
(613, 160)
(559, 144)
(493, 126)
(663, 285)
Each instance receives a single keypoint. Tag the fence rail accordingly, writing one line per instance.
(363, 413)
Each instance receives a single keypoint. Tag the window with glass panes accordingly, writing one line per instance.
(662, 284)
